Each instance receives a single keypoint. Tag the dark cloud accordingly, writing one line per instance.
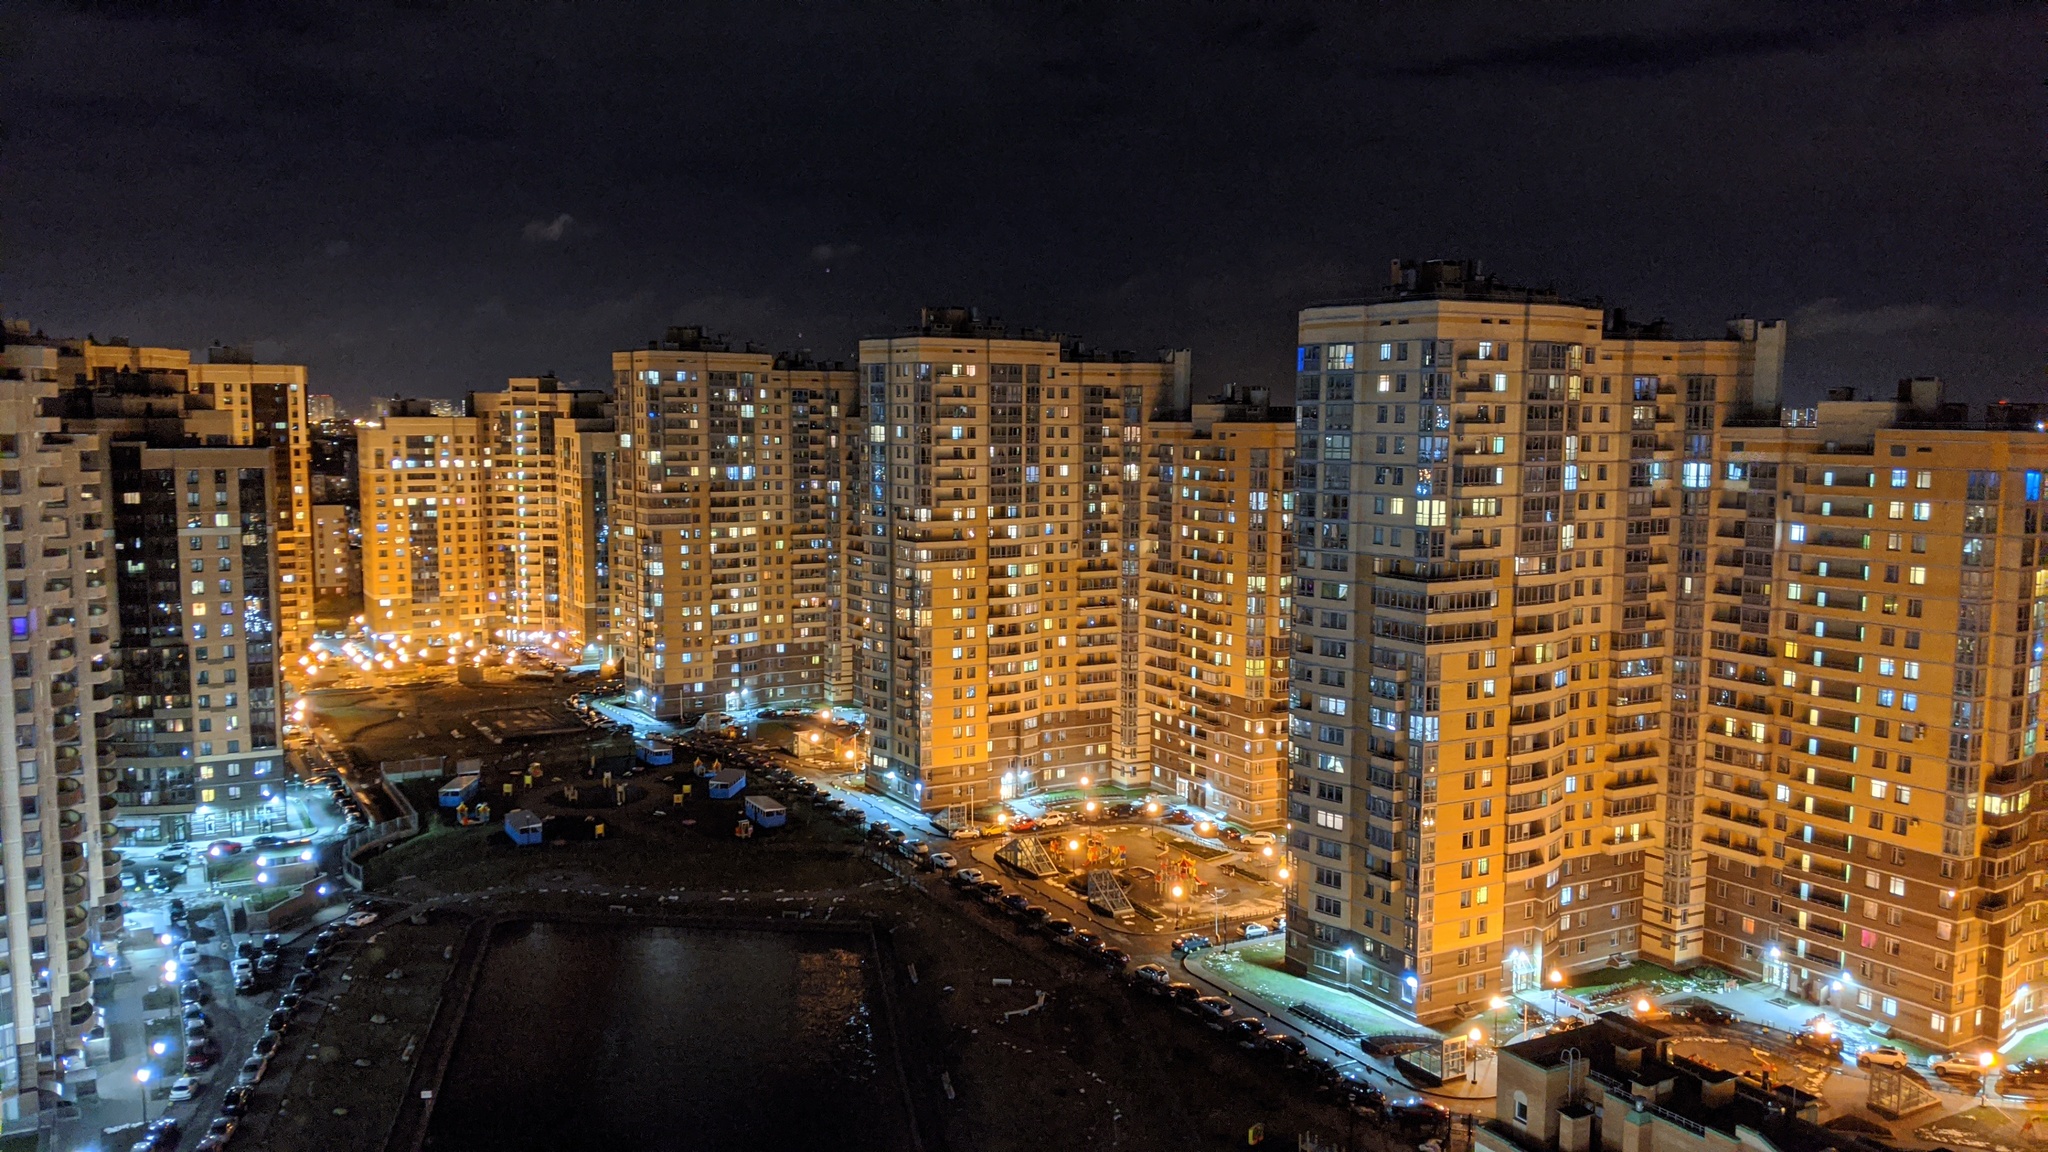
(432, 196)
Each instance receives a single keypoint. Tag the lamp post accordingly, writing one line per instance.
(142, 1076)
(1556, 990)
(1986, 1061)
(1498, 1005)
(1178, 892)
(1472, 1040)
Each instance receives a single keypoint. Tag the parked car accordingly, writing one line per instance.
(943, 860)
(221, 848)
(224, 1127)
(1085, 941)
(196, 1027)
(289, 1002)
(161, 1136)
(303, 981)
(1417, 1115)
(1182, 993)
(184, 1088)
(193, 992)
(1259, 840)
(1882, 1056)
(1058, 930)
(236, 1102)
(966, 877)
(1053, 820)
(1246, 1031)
(1154, 976)
(194, 1012)
(1192, 942)
(272, 942)
(315, 957)
(200, 1057)
(1705, 1014)
(1113, 958)
(1825, 1043)
(1213, 1010)
(1024, 824)
(1284, 1046)
(968, 832)
(1252, 930)
(252, 1070)
(359, 919)
(188, 954)
(1955, 1067)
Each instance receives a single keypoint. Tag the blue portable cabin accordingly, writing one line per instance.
(523, 826)
(461, 790)
(727, 784)
(766, 812)
(654, 753)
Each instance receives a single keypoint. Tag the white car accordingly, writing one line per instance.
(944, 860)
(188, 954)
(1254, 930)
(967, 876)
(1053, 820)
(185, 1088)
(1259, 840)
(1955, 1067)
(359, 919)
(965, 832)
(1883, 1056)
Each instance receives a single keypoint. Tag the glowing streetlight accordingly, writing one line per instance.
(142, 1076)
(1643, 1006)
(1556, 991)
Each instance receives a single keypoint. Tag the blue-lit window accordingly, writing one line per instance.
(2033, 485)
(1308, 358)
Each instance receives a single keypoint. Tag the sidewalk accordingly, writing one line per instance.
(1250, 972)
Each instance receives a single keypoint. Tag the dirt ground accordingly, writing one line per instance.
(1097, 1066)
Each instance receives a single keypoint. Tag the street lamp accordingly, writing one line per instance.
(1178, 892)
(142, 1077)
(1556, 988)
(1472, 1040)
(1498, 1005)
(1986, 1061)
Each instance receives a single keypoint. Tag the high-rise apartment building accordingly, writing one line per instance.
(428, 579)
(585, 458)
(337, 560)
(994, 576)
(1498, 644)
(196, 499)
(1871, 746)
(726, 524)
(251, 404)
(529, 522)
(1218, 576)
(62, 883)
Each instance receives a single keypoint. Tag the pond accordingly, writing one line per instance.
(629, 1037)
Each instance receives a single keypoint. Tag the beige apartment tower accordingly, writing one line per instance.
(1871, 746)
(727, 520)
(1497, 648)
(1217, 573)
(428, 582)
(62, 887)
(993, 581)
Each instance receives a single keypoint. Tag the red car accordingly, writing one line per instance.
(1023, 824)
(200, 1057)
(221, 848)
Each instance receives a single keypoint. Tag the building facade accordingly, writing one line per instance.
(722, 535)
(231, 399)
(1217, 564)
(529, 523)
(338, 562)
(585, 459)
(993, 582)
(1497, 653)
(1876, 618)
(429, 589)
(62, 882)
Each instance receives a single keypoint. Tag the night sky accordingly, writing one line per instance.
(425, 198)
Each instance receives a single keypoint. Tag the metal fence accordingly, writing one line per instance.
(378, 836)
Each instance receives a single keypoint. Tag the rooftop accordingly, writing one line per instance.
(948, 321)
(1630, 1059)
